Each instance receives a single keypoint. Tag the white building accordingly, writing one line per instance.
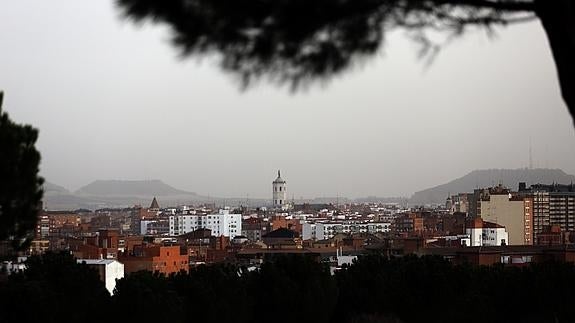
(341, 260)
(109, 270)
(482, 233)
(326, 230)
(223, 223)
(344, 260)
(12, 267)
(144, 226)
(308, 231)
(279, 192)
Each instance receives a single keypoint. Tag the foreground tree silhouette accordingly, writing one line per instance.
(54, 288)
(20, 185)
(376, 288)
(431, 289)
(284, 289)
(298, 41)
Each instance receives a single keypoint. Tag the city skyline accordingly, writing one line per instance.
(116, 102)
(287, 161)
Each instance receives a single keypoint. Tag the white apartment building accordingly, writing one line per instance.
(223, 223)
(144, 226)
(326, 230)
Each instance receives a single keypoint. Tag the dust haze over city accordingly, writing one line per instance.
(251, 161)
(114, 100)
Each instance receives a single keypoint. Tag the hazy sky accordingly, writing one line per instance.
(114, 101)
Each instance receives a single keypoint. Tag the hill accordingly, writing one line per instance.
(118, 188)
(116, 193)
(53, 188)
(490, 177)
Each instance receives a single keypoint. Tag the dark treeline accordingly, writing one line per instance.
(295, 289)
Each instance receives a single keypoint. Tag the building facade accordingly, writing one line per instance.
(327, 230)
(483, 233)
(411, 223)
(223, 223)
(501, 206)
(156, 258)
(550, 205)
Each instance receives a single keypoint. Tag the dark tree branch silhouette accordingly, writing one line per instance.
(20, 186)
(299, 41)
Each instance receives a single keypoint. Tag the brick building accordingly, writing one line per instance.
(409, 223)
(163, 259)
(552, 205)
(103, 245)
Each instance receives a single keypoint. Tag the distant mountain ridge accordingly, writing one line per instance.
(118, 188)
(53, 188)
(124, 193)
(491, 177)
(116, 193)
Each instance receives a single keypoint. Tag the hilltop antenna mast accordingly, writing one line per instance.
(530, 155)
(546, 156)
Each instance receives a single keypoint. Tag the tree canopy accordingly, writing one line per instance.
(300, 41)
(54, 288)
(375, 288)
(20, 185)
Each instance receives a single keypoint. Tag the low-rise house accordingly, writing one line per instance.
(483, 233)
(109, 270)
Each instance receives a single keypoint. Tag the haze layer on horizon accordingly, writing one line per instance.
(114, 101)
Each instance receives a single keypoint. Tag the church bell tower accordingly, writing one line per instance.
(279, 192)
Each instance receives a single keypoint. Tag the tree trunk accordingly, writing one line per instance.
(558, 19)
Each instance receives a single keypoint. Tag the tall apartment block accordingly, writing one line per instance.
(552, 205)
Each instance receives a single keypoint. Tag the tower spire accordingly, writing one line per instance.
(279, 173)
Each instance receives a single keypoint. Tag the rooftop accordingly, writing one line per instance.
(279, 179)
(96, 261)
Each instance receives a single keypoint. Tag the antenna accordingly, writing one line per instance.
(530, 154)
(546, 156)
